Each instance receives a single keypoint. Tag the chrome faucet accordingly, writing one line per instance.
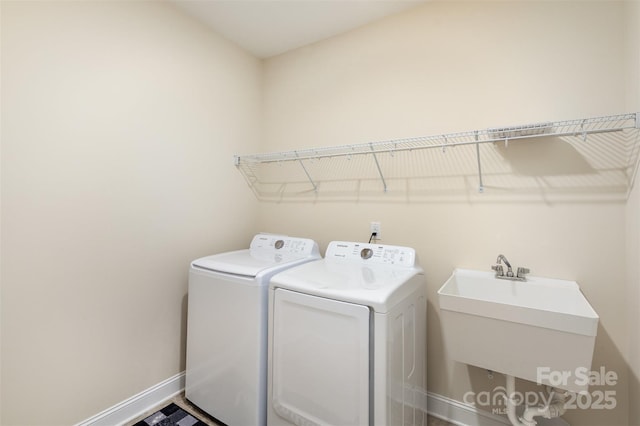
(502, 258)
(509, 275)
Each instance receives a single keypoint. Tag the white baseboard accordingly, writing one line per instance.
(137, 405)
(439, 406)
(461, 414)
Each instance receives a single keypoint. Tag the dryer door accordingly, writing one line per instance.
(320, 360)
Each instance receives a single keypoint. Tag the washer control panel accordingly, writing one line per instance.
(283, 244)
(371, 253)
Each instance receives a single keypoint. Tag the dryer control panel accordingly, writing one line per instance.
(283, 244)
(371, 253)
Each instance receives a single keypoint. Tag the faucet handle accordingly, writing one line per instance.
(499, 270)
(522, 271)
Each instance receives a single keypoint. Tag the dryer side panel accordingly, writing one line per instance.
(320, 361)
(400, 357)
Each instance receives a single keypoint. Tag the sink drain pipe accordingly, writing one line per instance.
(554, 408)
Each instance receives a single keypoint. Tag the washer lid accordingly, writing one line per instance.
(267, 252)
(373, 281)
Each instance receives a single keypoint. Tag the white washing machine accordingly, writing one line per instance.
(227, 326)
(347, 339)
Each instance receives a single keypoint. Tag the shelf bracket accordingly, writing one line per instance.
(375, 158)
(315, 187)
(480, 184)
(584, 132)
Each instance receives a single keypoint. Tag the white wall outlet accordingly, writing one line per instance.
(375, 227)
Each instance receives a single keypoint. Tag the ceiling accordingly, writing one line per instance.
(269, 27)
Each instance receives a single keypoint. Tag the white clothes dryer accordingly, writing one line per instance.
(347, 339)
(227, 326)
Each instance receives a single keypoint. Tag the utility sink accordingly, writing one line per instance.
(541, 329)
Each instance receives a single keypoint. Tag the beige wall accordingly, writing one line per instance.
(632, 55)
(119, 122)
(633, 301)
(457, 66)
(119, 125)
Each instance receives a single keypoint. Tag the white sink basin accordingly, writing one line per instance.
(541, 330)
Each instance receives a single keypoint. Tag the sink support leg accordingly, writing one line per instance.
(554, 408)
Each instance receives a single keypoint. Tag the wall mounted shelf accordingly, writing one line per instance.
(605, 146)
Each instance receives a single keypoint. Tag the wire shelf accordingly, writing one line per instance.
(398, 162)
